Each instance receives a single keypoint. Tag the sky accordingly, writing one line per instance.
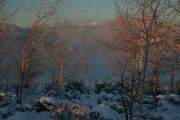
(71, 10)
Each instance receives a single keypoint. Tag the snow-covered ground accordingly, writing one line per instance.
(30, 116)
(89, 104)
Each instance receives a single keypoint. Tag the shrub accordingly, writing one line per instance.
(69, 112)
(107, 86)
(75, 85)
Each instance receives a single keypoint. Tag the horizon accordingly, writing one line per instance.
(93, 11)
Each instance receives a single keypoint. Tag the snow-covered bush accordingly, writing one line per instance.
(6, 112)
(95, 115)
(117, 107)
(70, 112)
(75, 85)
(44, 104)
(5, 99)
(103, 100)
(174, 99)
(41, 107)
(62, 113)
(25, 107)
(107, 86)
(2, 95)
(103, 112)
(148, 99)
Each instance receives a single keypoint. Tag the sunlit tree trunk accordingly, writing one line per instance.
(61, 80)
(172, 81)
